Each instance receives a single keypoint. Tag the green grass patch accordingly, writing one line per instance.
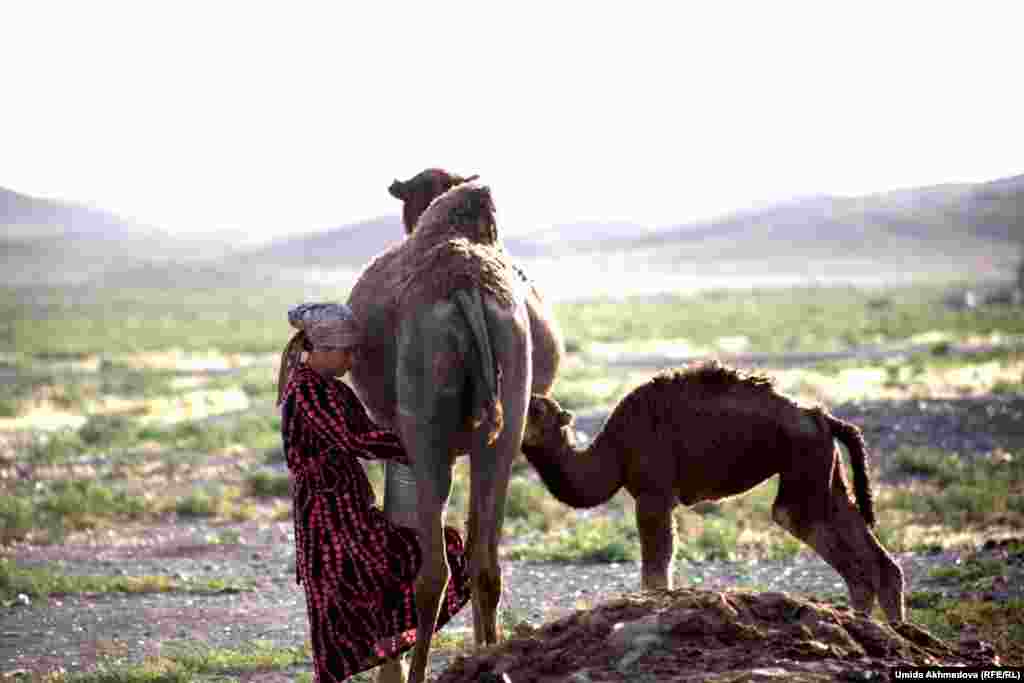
(717, 540)
(974, 574)
(778, 320)
(597, 539)
(60, 321)
(589, 385)
(938, 466)
(181, 662)
(268, 484)
(102, 431)
(78, 501)
(206, 501)
(999, 623)
(251, 431)
(530, 507)
(960, 493)
(17, 518)
(56, 447)
(58, 507)
(40, 582)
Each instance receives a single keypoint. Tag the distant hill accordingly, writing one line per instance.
(959, 229)
(352, 246)
(941, 215)
(46, 241)
(348, 246)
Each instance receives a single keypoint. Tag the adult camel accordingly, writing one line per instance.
(447, 362)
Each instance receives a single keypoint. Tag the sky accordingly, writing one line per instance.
(273, 118)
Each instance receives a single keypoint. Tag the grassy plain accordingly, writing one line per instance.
(166, 402)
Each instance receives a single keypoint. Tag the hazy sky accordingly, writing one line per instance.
(292, 117)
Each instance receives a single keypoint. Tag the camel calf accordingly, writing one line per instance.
(709, 432)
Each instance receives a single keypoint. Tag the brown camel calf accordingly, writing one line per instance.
(709, 432)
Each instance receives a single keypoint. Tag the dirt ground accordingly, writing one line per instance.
(693, 635)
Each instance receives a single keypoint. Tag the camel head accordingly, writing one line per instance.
(547, 423)
(417, 192)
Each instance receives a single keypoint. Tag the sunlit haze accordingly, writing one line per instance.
(280, 118)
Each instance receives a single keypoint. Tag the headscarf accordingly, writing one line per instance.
(321, 327)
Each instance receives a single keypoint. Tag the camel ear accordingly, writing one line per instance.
(564, 418)
(397, 190)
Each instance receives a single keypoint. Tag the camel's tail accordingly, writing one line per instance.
(851, 437)
(487, 378)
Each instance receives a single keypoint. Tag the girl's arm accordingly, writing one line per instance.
(340, 418)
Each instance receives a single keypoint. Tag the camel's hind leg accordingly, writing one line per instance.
(490, 470)
(433, 467)
(851, 531)
(491, 466)
(430, 388)
(657, 540)
(814, 505)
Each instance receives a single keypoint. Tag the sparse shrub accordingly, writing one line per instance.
(274, 455)
(55, 447)
(79, 503)
(717, 541)
(201, 503)
(931, 463)
(122, 381)
(590, 540)
(16, 518)
(1004, 387)
(107, 430)
(786, 549)
(226, 537)
(527, 501)
(269, 485)
(924, 599)
(9, 407)
(891, 536)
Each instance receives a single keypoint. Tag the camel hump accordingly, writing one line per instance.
(438, 271)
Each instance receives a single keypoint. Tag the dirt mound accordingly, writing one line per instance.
(693, 635)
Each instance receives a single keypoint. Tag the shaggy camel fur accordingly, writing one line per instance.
(446, 360)
(709, 432)
(416, 195)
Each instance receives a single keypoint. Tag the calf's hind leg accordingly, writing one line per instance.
(823, 517)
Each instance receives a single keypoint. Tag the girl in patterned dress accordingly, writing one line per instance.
(357, 568)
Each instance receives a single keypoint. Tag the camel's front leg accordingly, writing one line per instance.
(656, 525)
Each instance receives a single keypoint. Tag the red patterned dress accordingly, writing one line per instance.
(356, 567)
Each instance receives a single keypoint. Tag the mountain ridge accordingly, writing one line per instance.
(45, 237)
